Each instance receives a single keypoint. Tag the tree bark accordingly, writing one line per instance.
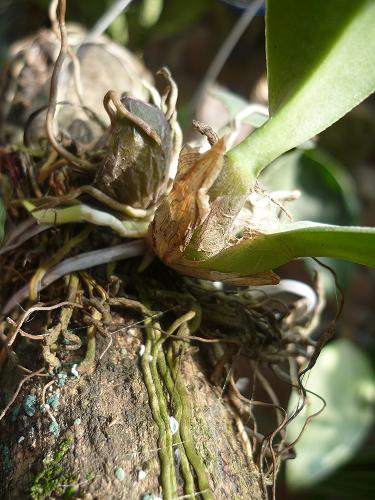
(108, 442)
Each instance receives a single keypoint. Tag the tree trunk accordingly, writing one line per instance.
(108, 441)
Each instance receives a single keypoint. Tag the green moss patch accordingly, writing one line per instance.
(53, 480)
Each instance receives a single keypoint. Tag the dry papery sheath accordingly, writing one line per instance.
(176, 232)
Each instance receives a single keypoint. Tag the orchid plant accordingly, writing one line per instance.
(320, 64)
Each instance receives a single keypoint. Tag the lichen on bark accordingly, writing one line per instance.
(107, 421)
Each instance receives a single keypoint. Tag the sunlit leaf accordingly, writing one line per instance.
(320, 63)
(300, 239)
(344, 377)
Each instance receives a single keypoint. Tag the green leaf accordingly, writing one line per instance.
(321, 63)
(344, 377)
(327, 195)
(83, 213)
(308, 40)
(118, 30)
(300, 239)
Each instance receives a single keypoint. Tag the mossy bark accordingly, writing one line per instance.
(108, 441)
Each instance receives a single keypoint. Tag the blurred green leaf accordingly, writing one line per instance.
(299, 239)
(179, 16)
(150, 12)
(344, 377)
(118, 30)
(234, 104)
(327, 191)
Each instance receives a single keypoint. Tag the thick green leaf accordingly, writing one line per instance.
(321, 63)
(300, 239)
(305, 39)
(344, 378)
(327, 195)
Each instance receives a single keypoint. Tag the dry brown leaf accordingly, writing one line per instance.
(188, 204)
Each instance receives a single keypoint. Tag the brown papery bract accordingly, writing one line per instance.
(188, 204)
